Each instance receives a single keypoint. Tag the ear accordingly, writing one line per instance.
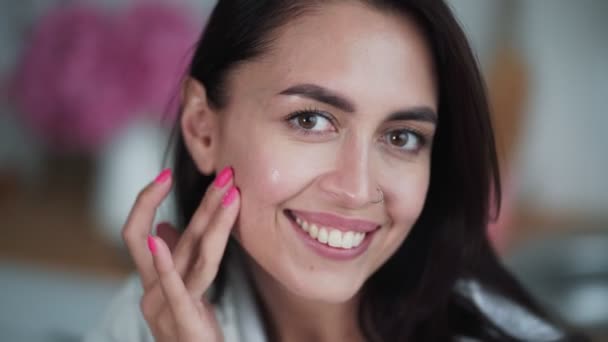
(199, 125)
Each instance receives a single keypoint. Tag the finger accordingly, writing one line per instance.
(139, 224)
(188, 243)
(168, 233)
(213, 244)
(170, 236)
(180, 302)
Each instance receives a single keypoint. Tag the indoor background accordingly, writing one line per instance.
(86, 85)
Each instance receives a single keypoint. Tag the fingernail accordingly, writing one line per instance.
(223, 177)
(230, 196)
(163, 176)
(151, 244)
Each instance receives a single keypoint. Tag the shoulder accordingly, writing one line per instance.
(501, 313)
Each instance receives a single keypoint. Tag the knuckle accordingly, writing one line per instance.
(142, 197)
(211, 200)
(165, 322)
(206, 266)
(212, 269)
(204, 209)
(151, 300)
(127, 234)
(130, 235)
(201, 263)
(146, 307)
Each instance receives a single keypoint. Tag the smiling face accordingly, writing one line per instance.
(341, 108)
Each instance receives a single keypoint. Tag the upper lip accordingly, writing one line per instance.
(334, 221)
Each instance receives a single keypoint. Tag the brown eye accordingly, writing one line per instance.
(405, 140)
(399, 138)
(311, 122)
(307, 121)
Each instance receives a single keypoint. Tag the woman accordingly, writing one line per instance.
(354, 158)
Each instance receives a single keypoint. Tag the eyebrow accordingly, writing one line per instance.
(320, 94)
(415, 114)
(324, 95)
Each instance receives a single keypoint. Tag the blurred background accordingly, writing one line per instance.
(85, 85)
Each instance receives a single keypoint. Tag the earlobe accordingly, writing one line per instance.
(199, 126)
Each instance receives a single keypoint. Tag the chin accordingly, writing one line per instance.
(323, 286)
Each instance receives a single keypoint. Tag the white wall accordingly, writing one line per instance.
(563, 159)
(564, 156)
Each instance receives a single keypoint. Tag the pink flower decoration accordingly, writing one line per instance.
(85, 74)
(60, 74)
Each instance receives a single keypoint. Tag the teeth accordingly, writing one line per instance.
(331, 236)
(358, 238)
(302, 224)
(314, 231)
(322, 235)
(305, 226)
(347, 239)
(335, 238)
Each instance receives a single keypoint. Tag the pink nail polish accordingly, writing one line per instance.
(223, 177)
(151, 244)
(163, 176)
(230, 196)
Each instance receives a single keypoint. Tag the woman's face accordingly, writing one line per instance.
(343, 106)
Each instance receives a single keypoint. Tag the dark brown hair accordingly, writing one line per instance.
(411, 297)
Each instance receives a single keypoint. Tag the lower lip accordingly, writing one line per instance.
(332, 252)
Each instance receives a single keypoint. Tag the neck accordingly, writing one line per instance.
(289, 317)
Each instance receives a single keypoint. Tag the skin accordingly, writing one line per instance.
(381, 67)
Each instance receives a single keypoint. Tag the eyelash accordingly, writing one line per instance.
(316, 112)
(312, 112)
(422, 140)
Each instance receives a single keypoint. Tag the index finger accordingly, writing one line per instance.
(140, 221)
(183, 256)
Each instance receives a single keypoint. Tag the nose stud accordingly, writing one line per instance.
(381, 197)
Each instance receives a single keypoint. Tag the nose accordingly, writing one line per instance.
(349, 182)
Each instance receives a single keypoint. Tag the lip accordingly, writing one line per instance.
(327, 251)
(333, 221)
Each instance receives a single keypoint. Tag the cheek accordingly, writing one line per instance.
(407, 198)
(268, 171)
(271, 169)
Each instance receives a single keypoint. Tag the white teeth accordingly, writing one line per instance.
(347, 239)
(357, 239)
(314, 231)
(323, 236)
(335, 238)
(302, 224)
(331, 236)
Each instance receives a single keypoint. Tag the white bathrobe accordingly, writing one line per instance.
(240, 321)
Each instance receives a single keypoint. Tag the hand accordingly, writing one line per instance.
(177, 271)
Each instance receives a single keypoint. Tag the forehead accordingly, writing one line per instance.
(349, 47)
